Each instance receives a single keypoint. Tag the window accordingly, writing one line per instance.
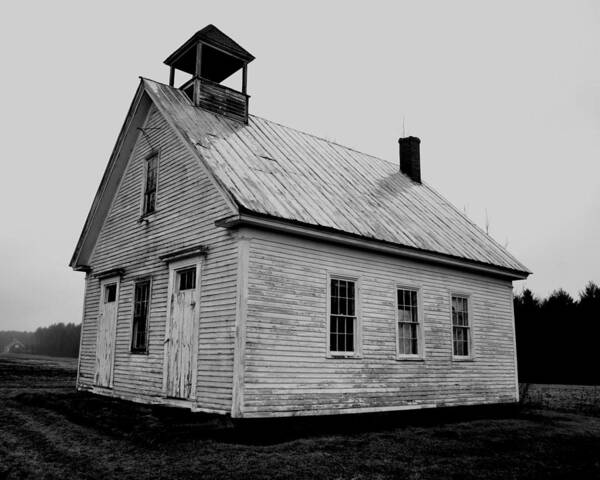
(408, 322)
(150, 187)
(342, 316)
(139, 332)
(187, 279)
(110, 293)
(461, 330)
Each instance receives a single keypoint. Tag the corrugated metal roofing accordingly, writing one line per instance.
(279, 171)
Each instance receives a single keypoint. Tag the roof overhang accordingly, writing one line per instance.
(346, 239)
(110, 180)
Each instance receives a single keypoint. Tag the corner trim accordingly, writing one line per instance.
(239, 353)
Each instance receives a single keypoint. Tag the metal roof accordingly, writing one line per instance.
(281, 172)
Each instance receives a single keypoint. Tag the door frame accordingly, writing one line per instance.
(103, 283)
(174, 267)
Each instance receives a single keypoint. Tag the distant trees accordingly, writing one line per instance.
(58, 340)
(557, 337)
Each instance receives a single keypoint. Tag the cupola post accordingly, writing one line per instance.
(210, 57)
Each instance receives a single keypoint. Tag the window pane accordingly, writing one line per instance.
(342, 292)
(110, 293)
(342, 306)
(187, 279)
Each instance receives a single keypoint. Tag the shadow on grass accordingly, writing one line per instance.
(155, 425)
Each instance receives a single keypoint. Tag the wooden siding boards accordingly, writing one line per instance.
(280, 172)
(186, 208)
(262, 337)
(286, 369)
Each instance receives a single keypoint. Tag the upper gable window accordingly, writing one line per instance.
(150, 184)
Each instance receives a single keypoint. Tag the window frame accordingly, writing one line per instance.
(420, 355)
(469, 298)
(147, 158)
(135, 351)
(357, 353)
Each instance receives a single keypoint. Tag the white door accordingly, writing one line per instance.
(105, 339)
(181, 332)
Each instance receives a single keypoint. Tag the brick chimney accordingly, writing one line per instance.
(410, 157)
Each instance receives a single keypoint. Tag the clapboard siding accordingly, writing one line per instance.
(287, 371)
(187, 206)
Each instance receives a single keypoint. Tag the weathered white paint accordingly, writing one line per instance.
(188, 204)
(240, 325)
(181, 338)
(260, 320)
(287, 369)
(105, 339)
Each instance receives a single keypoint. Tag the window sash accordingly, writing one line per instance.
(141, 303)
(408, 332)
(342, 316)
(342, 334)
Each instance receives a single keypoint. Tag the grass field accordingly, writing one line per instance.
(47, 431)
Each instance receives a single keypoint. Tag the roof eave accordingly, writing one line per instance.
(340, 237)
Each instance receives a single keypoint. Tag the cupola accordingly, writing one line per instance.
(211, 57)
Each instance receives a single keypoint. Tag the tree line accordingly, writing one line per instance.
(558, 336)
(57, 340)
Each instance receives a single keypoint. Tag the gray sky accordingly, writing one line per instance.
(504, 95)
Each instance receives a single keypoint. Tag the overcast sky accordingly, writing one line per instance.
(504, 95)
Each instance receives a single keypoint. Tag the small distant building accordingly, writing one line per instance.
(15, 346)
(238, 266)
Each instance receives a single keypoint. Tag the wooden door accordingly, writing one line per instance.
(105, 338)
(181, 335)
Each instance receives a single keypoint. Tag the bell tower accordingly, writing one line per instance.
(210, 57)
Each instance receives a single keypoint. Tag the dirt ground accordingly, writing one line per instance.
(49, 431)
